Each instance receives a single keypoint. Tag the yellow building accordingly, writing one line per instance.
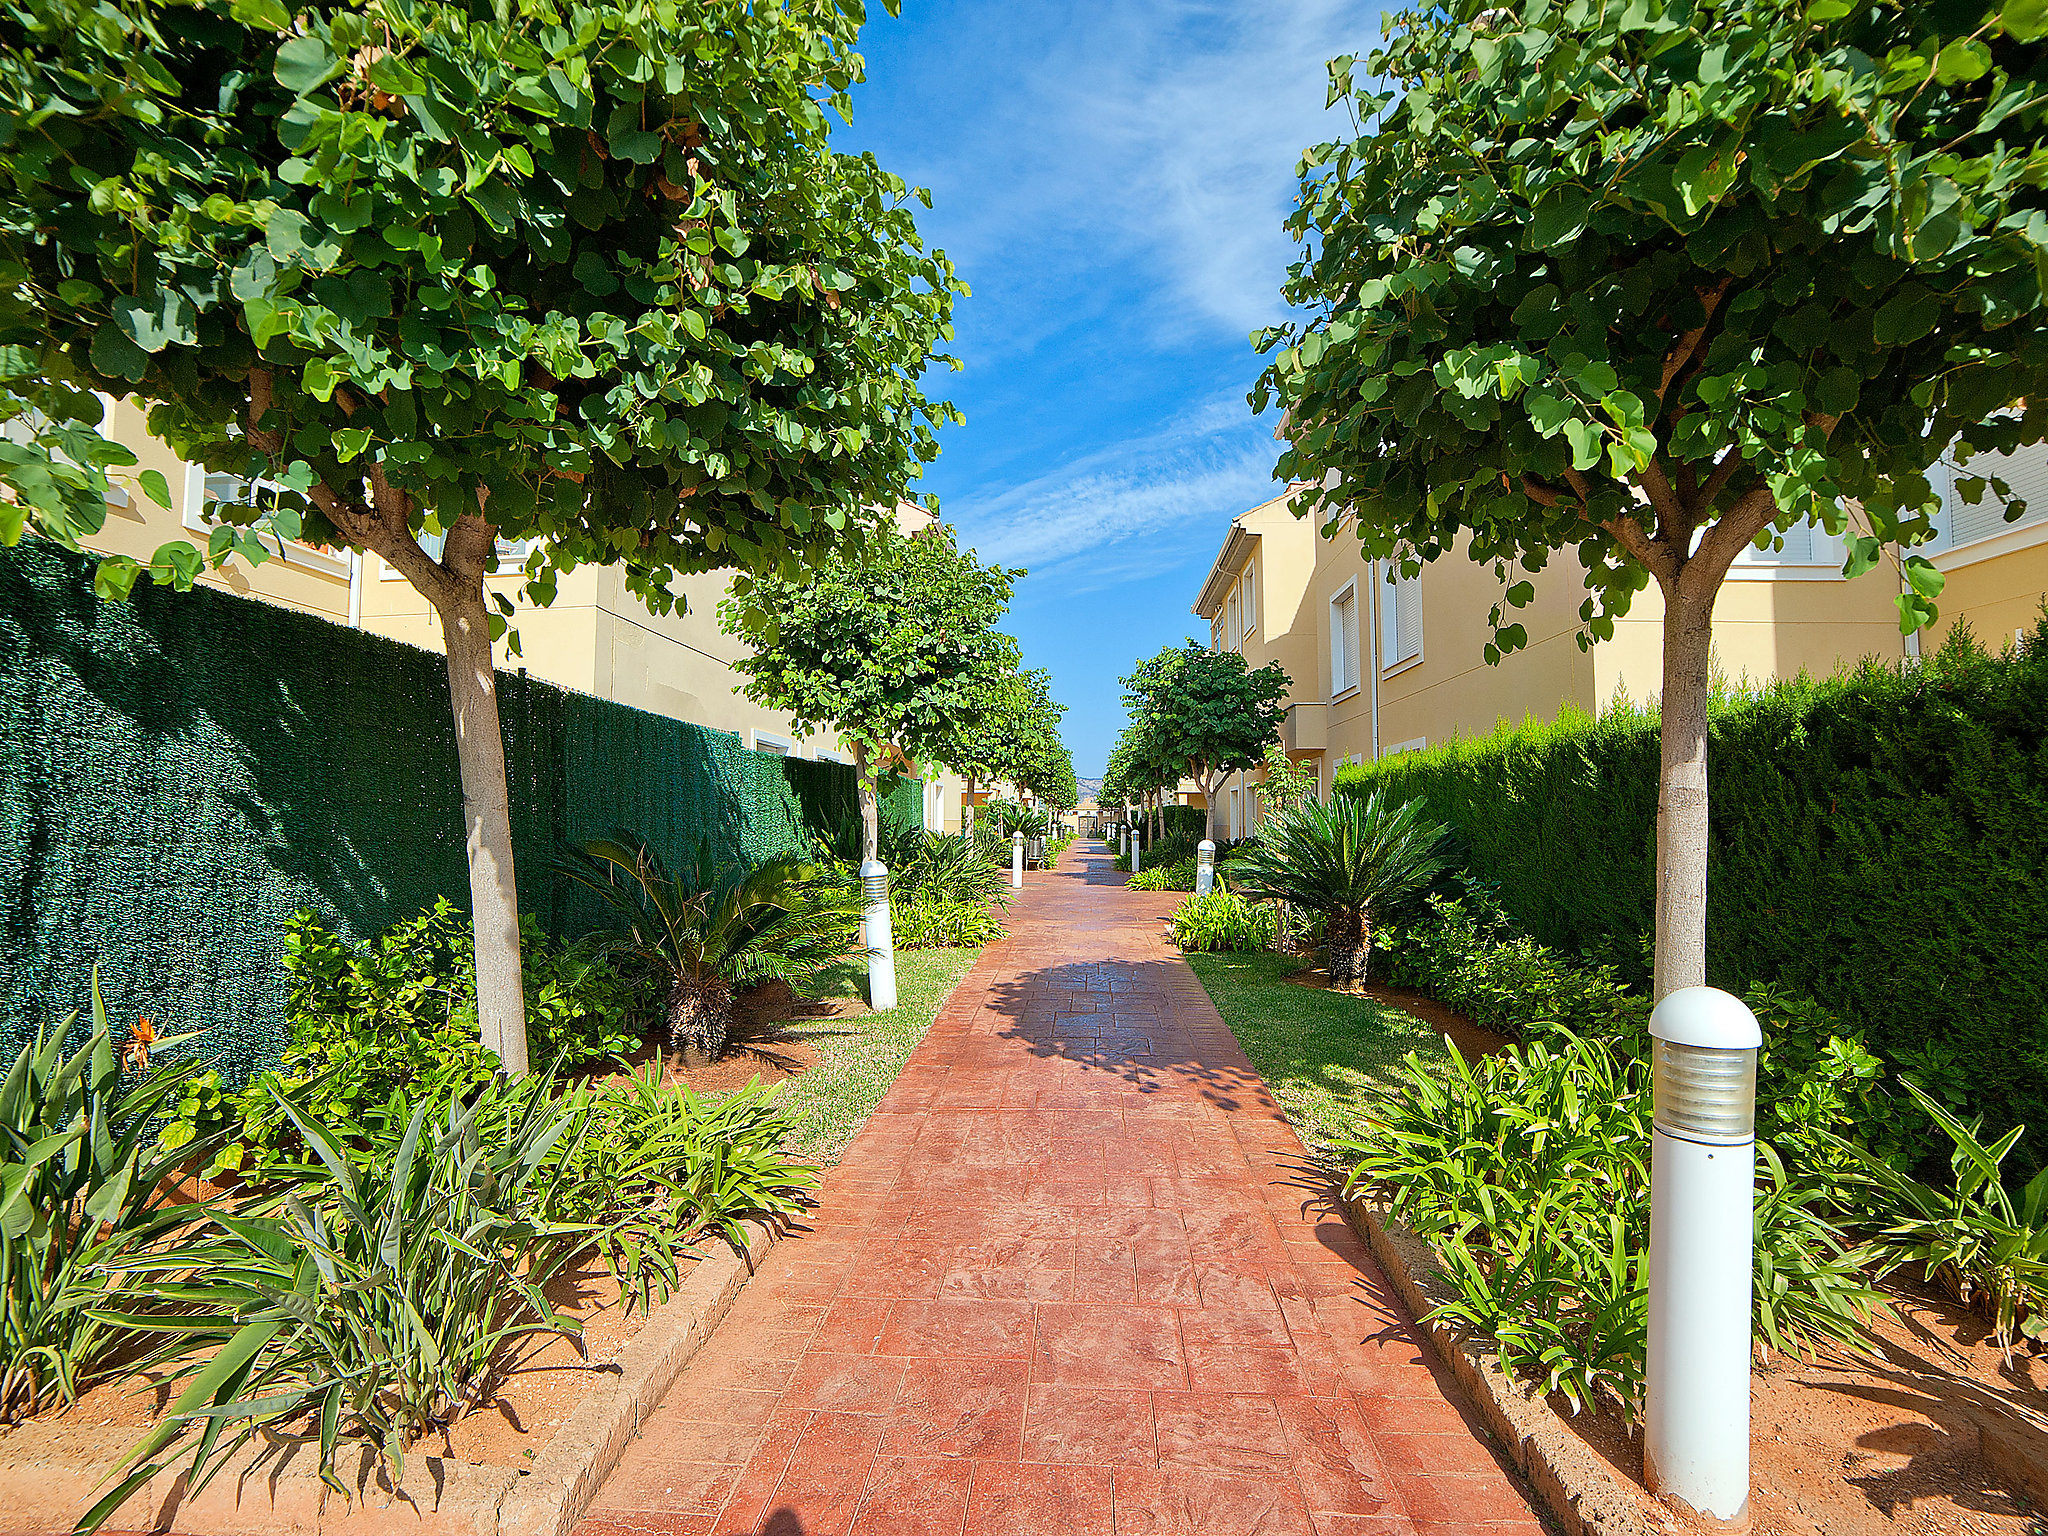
(1383, 664)
(596, 637)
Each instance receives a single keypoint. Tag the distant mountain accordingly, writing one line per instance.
(1089, 788)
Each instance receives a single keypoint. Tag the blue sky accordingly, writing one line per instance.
(1110, 178)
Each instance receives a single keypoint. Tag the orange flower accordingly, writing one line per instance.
(136, 1052)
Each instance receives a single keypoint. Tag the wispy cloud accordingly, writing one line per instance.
(1127, 509)
(1160, 133)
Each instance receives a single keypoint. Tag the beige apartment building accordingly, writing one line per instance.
(1383, 663)
(596, 637)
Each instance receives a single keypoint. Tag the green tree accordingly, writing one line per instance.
(1655, 282)
(1206, 713)
(1012, 733)
(443, 272)
(896, 651)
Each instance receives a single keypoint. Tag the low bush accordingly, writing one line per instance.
(936, 922)
(1529, 1173)
(77, 1194)
(387, 1021)
(948, 867)
(1222, 922)
(1165, 877)
(376, 1297)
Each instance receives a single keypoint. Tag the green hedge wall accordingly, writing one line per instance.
(1879, 841)
(186, 769)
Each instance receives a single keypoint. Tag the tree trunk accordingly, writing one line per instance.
(967, 808)
(1681, 947)
(493, 891)
(870, 804)
(1209, 788)
(1349, 938)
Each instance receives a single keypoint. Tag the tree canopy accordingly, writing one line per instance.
(896, 651)
(583, 275)
(1652, 282)
(1013, 734)
(1206, 713)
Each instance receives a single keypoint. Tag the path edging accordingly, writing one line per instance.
(1574, 1484)
(58, 1469)
(565, 1477)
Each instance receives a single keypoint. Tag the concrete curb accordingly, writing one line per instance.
(1579, 1490)
(51, 1472)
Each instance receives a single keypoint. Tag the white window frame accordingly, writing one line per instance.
(289, 551)
(1827, 554)
(828, 755)
(1400, 590)
(769, 742)
(1250, 587)
(511, 554)
(2005, 539)
(1345, 671)
(1412, 744)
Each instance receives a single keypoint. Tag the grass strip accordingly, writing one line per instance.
(861, 1055)
(1319, 1051)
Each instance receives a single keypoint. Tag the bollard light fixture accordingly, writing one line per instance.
(879, 935)
(1016, 861)
(1704, 1046)
(1205, 867)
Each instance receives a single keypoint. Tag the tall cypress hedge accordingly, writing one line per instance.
(182, 771)
(1879, 842)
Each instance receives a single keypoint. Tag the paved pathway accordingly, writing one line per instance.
(1074, 1278)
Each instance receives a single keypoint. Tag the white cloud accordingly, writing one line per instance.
(1164, 132)
(1127, 509)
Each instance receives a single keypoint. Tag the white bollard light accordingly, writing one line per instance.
(1702, 1229)
(1016, 861)
(1205, 867)
(881, 939)
(1137, 850)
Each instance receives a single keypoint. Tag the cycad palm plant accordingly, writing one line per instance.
(707, 932)
(1348, 859)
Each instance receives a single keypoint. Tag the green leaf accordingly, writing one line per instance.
(1585, 438)
(116, 355)
(304, 63)
(2026, 20)
(114, 578)
(156, 488)
(262, 13)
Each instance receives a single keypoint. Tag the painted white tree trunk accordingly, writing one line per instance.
(870, 804)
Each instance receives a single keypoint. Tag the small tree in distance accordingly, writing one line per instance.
(897, 652)
(1653, 283)
(1207, 713)
(440, 273)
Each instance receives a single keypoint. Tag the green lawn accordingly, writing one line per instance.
(1320, 1051)
(862, 1055)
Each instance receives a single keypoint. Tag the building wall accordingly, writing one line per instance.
(1780, 612)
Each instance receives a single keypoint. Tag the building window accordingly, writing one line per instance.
(1251, 597)
(203, 491)
(1400, 618)
(1344, 640)
(1959, 523)
(1804, 543)
(1236, 827)
(778, 746)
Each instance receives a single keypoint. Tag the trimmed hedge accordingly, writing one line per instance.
(1879, 842)
(185, 770)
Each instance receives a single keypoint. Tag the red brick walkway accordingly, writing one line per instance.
(1075, 1277)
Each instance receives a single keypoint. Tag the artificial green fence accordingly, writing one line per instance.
(183, 770)
(1879, 841)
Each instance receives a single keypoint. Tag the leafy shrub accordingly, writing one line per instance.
(655, 1166)
(1971, 1237)
(1165, 877)
(1182, 824)
(1222, 921)
(1529, 1173)
(1879, 842)
(374, 1299)
(706, 931)
(76, 1191)
(949, 867)
(938, 923)
(383, 1022)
